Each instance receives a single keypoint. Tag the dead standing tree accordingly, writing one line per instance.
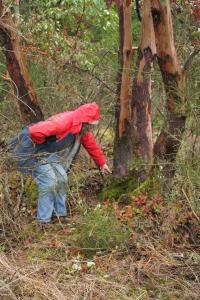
(26, 96)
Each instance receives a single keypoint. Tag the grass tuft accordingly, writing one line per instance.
(101, 230)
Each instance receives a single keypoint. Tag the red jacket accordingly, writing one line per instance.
(71, 122)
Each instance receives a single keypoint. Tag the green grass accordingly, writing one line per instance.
(100, 230)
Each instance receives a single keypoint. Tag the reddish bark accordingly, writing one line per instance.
(134, 133)
(125, 89)
(26, 97)
(141, 96)
(123, 142)
(170, 138)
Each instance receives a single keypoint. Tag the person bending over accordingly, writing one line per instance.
(46, 149)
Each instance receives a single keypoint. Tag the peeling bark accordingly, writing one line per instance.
(25, 94)
(123, 140)
(125, 91)
(141, 96)
(169, 140)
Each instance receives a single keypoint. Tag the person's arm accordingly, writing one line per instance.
(89, 143)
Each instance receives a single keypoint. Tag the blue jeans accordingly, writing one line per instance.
(51, 181)
(48, 172)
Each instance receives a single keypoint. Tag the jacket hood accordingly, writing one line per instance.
(86, 113)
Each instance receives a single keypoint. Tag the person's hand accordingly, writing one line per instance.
(105, 169)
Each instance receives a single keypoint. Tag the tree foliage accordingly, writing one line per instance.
(70, 30)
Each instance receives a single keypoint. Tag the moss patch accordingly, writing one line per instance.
(40, 254)
(31, 192)
(118, 189)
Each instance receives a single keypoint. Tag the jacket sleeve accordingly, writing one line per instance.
(89, 143)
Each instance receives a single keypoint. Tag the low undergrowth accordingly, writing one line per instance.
(54, 270)
(100, 229)
(135, 246)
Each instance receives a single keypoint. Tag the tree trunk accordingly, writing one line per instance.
(169, 140)
(141, 96)
(123, 140)
(25, 94)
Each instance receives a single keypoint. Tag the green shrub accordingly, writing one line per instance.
(188, 181)
(100, 230)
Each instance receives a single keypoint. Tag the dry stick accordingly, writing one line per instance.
(193, 147)
(60, 223)
(190, 59)
(192, 271)
(102, 135)
(91, 74)
(189, 202)
(17, 207)
(20, 98)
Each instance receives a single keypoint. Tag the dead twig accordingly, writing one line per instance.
(189, 202)
(190, 59)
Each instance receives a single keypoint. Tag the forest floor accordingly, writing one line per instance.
(160, 259)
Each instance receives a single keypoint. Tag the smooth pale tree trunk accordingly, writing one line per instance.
(26, 97)
(141, 95)
(169, 140)
(123, 141)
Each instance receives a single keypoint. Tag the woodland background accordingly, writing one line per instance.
(134, 234)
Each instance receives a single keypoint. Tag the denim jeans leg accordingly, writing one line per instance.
(60, 198)
(46, 180)
(24, 152)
